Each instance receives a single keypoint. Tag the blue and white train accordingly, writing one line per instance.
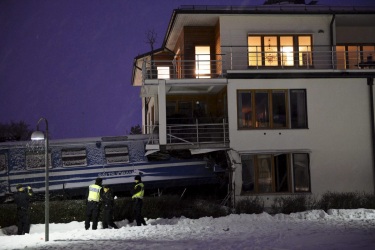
(76, 163)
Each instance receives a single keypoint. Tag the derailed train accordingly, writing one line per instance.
(76, 163)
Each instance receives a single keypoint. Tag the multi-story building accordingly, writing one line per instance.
(286, 90)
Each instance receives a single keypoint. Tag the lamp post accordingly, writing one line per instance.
(37, 136)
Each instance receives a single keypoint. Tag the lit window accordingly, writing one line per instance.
(202, 62)
(163, 72)
(354, 56)
(279, 50)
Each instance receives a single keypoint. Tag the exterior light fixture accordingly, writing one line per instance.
(38, 136)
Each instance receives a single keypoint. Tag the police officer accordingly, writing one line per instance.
(108, 204)
(138, 193)
(22, 199)
(94, 193)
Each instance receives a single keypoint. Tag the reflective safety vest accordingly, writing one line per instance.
(94, 193)
(141, 192)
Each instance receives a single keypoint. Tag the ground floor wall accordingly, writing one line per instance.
(337, 139)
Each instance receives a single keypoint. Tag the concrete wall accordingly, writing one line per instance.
(339, 133)
(234, 29)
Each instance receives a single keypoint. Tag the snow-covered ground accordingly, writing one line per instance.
(337, 229)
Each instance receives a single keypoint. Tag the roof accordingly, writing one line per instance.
(208, 15)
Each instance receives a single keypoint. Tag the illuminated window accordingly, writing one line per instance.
(74, 157)
(279, 50)
(163, 72)
(304, 49)
(354, 56)
(202, 62)
(116, 154)
(270, 50)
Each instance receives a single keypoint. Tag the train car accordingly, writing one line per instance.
(74, 164)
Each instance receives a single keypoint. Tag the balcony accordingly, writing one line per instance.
(193, 136)
(240, 58)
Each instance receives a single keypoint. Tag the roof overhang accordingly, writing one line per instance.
(290, 74)
(208, 15)
(185, 86)
(275, 151)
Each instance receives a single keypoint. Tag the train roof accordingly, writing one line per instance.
(83, 140)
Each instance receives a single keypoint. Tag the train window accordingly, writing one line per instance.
(73, 157)
(116, 154)
(3, 162)
(36, 160)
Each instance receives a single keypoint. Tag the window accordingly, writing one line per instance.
(354, 56)
(116, 154)
(271, 109)
(36, 160)
(74, 157)
(301, 172)
(298, 108)
(3, 162)
(202, 62)
(279, 50)
(267, 173)
(163, 72)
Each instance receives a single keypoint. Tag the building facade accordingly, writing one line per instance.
(285, 90)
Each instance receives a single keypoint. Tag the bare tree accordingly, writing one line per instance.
(151, 37)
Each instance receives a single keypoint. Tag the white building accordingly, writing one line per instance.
(288, 88)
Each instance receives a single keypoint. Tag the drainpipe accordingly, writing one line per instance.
(331, 31)
(370, 83)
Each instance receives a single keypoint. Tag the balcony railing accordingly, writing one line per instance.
(194, 135)
(258, 58)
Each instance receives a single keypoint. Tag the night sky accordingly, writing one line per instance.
(70, 61)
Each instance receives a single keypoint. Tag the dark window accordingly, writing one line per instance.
(301, 170)
(36, 160)
(273, 109)
(3, 162)
(266, 173)
(298, 108)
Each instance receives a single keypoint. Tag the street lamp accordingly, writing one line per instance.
(38, 136)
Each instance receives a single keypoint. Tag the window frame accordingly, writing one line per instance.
(251, 183)
(117, 154)
(345, 61)
(250, 119)
(31, 156)
(276, 53)
(3, 163)
(75, 155)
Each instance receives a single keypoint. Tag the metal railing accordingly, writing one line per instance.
(193, 134)
(260, 58)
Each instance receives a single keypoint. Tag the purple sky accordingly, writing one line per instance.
(70, 61)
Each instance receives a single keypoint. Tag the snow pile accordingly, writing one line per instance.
(336, 229)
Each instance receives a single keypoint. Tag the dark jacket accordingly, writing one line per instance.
(107, 199)
(22, 198)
